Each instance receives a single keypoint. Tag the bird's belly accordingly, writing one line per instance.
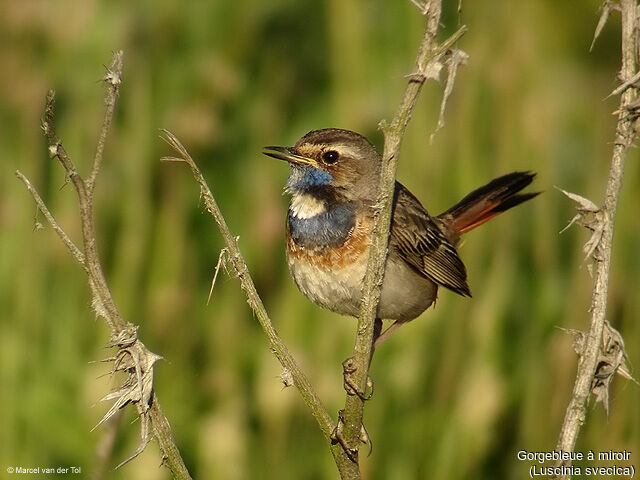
(337, 289)
(337, 286)
(405, 293)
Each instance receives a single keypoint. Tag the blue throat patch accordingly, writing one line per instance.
(304, 178)
(328, 229)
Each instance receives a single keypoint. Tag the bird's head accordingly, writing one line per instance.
(340, 162)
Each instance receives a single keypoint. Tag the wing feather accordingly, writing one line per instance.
(420, 242)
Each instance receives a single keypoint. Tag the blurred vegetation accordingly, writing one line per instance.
(460, 390)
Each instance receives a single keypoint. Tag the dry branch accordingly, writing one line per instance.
(603, 224)
(132, 357)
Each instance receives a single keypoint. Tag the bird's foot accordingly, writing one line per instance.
(348, 369)
(337, 437)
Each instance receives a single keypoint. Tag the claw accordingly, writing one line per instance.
(365, 438)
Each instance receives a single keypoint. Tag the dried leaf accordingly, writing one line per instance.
(137, 362)
(589, 216)
(611, 360)
(597, 227)
(605, 10)
(432, 72)
(455, 58)
(586, 205)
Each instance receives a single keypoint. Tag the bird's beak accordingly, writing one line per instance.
(288, 154)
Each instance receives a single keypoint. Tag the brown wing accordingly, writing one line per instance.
(420, 242)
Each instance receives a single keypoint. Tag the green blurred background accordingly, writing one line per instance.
(460, 390)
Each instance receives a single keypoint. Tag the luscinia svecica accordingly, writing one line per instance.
(333, 181)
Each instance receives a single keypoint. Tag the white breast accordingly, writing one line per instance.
(337, 289)
(405, 294)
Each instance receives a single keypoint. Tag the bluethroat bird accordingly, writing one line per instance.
(333, 182)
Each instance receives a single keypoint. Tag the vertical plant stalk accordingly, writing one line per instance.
(429, 52)
(132, 358)
(625, 134)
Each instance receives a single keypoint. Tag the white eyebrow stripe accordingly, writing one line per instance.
(316, 150)
(344, 149)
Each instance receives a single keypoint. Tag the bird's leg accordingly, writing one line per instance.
(377, 330)
(349, 368)
(386, 334)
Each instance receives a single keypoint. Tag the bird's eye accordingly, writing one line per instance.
(330, 156)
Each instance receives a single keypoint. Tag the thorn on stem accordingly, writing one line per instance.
(224, 253)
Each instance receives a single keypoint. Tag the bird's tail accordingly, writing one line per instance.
(486, 202)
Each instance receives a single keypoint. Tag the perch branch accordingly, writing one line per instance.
(625, 134)
(132, 358)
(429, 52)
(235, 258)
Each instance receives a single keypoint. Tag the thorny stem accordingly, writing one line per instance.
(428, 51)
(625, 134)
(123, 334)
